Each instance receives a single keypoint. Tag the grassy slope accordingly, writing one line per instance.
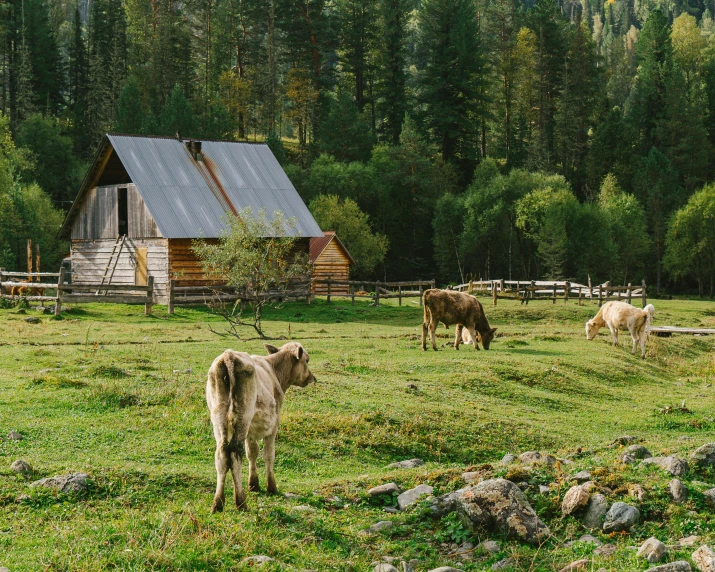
(120, 395)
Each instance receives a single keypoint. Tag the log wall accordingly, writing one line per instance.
(332, 263)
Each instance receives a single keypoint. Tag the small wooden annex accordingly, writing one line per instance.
(330, 259)
(145, 199)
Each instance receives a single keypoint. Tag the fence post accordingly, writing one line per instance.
(567, 287)
(29, 260)
(532, 292)
(170, 306)
(377, 293)
(494, 292)
(149, 295)
(629, 292)
(420, 289)
(329, 281)
(644, 299)
(608, 290)
(352, 293)
(579, 296)
(2, 279)
(590, 288)
(37, 263)
(60, 283)
(600, 295)
(399, 295)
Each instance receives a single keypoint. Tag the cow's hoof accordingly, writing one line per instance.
(254, 486)
(240, 501)
(217, 506)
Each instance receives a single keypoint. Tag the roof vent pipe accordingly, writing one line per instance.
(194, 147)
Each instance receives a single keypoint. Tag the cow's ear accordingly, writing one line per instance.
(270, 349)
(493, 330)
(298, 352)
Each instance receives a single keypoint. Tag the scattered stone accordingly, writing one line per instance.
(704, 559)
(588, 486)
(685, 438)
(490, 546)
(385, 567)
(386, 489)
(257, 560)
(508, 458)
(381, 525)
(471, 476)
(575, 499)
(408, 464)
(595, 511)
(503, 563)
(606, 550)
(544, 490)
(673, 465)
(704, 456)
(621, 517)
(678, 491)
(304, 508)
(21, 466)
(585, 539)
(499, 505)
(408, 498)
(578, 565)
(689, 541)
(14, 436)
(636, 491)
(679, 566)
(74, 482)
(624, 440)
(290, 496)
(391, 510)
(710, 497)
(653, 550)
(33, 320)
(445, 569)
(638, 451)
(582, 476)
(628, 459)
(534, 458)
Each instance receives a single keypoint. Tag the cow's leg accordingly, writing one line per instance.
(432, 329)
(634, 337)
(238, 450)
(269, 456)
(614, 334)
(252, 450)
(644, 336)
(457, 336)
(222, 464)
(424, 337)
(475, 337)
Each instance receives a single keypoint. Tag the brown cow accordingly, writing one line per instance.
(450, 307)
(244, 394)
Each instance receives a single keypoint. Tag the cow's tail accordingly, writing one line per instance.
(650, 314)
(238, 368)
(426, 319)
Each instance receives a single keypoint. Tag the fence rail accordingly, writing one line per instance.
(27, 289)
(108, 293)
(380, 290)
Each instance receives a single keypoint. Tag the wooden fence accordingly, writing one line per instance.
(28, 286)
(377, 290)
(532, 290)
(106, 293)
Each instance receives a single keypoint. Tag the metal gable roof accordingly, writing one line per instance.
(189, 198)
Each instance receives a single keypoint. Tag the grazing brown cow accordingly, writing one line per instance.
(244, 394)
(450, 307)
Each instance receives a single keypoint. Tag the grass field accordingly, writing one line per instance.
(120, 395)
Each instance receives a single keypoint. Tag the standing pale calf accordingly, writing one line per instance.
(244, 394)
(622, 316)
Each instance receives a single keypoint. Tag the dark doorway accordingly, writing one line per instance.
(123, 212)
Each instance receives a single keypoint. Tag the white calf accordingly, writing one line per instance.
(622, 316)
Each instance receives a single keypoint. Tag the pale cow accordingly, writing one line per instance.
(622, 316)
(244, 394)
(451, 307)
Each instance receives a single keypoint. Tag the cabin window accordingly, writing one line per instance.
(122, 212)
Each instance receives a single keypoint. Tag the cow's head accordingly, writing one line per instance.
(300, 373)
(487, 337)
(591, 329)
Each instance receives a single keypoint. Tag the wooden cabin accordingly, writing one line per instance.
(144, 200)
(330, 259)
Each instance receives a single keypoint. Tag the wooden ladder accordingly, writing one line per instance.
(119, 242)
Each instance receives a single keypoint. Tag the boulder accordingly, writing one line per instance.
(624, 440)
(578, 565)
(489, 546)
(653, 550)
(381, 525)
(638, 451)
(636, 491)
(508, 458)
(704, 456)
(673, 465)
(627, 459)
(585, 539)
(14, 436)
(72, 483)
(503, 564)
(498, 505)
(534, 458)
(582, 476)
(710, 497)
(679, 566)
(385, 567)
(445, 569)
(621, 517)
(678, 491)
(544, 490)
(704, 559)
(33, 320)
(575, 499)
(21, 466)
(595, 512)
(408, 498)
(408, 464)
(471, 476)
(386, 489)
(606, 551)
(689, 541)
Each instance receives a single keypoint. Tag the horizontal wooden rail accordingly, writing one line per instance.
(12, 284)
(32, 274)
(91, 288)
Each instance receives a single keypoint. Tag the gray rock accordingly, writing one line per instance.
(704, 559)
(490, 546)
(498, 505)
(582, 476)
(536, 458)
(14, 436)
(508, 458)
(544, 490)
(638, 451)
(624, 440)
(585, 539)
(653, 550)
(74, 482)
(3, 569)
(596, 510)
(503, 564)
(408, 464)
(606, 550)
(575, 499)
(636, 491)
(446, 569)
(710, 497)
(304, 508)
(578, 565)
(21, 466)
(679, 566)
(391, 510)
(33, 320)
(381, 525)
(704, 456)
(673, 465)
(627, 459)
(408, 498)
(290, 496)
(385, 567)
(678, 491)
(257, 560)
(689, 541)
(471, 476)
(620, 517)
(386, 489)
(444, 504)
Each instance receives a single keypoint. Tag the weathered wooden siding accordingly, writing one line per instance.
(97, 218)
(90, 258)
(332, 263)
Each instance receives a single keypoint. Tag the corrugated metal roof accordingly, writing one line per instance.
(189, 198)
